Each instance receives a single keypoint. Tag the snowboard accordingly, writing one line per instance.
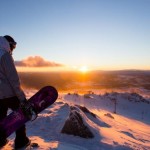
(39, 101)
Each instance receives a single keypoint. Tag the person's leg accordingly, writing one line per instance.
(3, 114)
(3, 110)
(21, 138)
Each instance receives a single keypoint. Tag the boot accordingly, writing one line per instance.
(3, 143)
(22, 143)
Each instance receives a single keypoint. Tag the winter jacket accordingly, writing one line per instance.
(9, 79)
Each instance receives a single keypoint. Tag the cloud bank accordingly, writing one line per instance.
(36, 61)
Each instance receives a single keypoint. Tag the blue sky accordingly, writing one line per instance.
(103, 34)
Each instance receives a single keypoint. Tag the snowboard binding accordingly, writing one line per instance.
(29, 111)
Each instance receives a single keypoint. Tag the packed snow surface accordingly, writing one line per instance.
(122, 122)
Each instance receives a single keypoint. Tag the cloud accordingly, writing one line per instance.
(36, 61)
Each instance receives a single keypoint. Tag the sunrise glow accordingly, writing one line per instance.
(83, 69)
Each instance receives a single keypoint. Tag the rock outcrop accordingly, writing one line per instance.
(75, 125)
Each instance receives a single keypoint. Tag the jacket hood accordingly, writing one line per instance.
(4, 44)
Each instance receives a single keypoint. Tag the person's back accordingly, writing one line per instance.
(9, 80)
(11, 94)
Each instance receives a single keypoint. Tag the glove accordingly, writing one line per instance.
(26, 108)
(24, 105)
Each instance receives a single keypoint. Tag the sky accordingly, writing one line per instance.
(91, 34)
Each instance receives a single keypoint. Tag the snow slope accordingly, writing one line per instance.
(128, 128)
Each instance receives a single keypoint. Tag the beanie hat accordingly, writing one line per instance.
(11, 41)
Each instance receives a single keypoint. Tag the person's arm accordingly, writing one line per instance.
(12, 75)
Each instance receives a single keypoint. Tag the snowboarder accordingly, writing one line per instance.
(11, 94)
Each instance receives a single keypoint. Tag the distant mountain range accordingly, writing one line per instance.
(65, 81)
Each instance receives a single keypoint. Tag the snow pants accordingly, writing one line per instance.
(12, 103)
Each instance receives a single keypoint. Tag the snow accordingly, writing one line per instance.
(128, 128)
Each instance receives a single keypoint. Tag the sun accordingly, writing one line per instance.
(83, 69)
